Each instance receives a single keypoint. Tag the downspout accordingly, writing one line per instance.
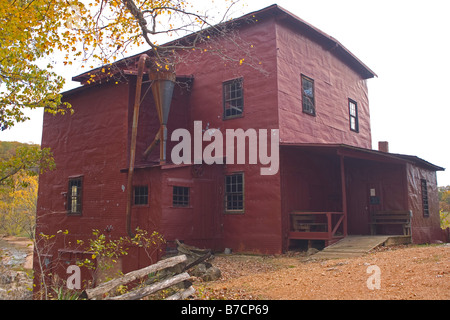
(137, 103)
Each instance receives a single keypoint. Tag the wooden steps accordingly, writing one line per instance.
(351, 246)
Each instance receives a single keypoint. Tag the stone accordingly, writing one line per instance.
(311, 251)
(212, 274)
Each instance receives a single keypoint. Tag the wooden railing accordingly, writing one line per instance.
(315, 225)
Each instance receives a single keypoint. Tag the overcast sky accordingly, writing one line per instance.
(406, 43)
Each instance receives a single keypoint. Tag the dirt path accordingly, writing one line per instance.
(410, 272)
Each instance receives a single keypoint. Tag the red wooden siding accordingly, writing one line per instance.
(423, 229)
(334, 83)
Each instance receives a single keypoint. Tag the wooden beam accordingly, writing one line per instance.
(329, 226)
(143, 292)
(308, 235)
(131, 276)
(181, 295)
(337, 225)
(344, 196)
(152, 145)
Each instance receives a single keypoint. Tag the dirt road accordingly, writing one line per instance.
(409, 272)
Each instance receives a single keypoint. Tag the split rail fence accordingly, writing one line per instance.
(100, 291)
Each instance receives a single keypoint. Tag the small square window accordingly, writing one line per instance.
(308, 101)
(140, 195)
(74, 196)
(233, 98)
(180, 197)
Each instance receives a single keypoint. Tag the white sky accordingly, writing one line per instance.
(405, 42)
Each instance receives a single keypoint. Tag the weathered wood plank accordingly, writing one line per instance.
(131, 276)
(143, 292)
(181, 295)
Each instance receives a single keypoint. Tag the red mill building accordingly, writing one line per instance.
(328, 184)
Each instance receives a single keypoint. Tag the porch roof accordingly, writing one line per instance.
(362, 153)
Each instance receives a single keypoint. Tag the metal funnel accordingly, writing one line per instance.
(162, 88)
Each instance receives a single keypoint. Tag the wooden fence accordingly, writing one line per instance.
(100, 291)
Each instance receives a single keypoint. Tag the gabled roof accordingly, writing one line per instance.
(328, 41)
(274, 10)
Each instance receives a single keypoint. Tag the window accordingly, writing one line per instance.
(180, 196)
(234, 192)
(233, 98)
(308, 96)
(426, 211)
(353, 114)
(74, 195)
(140, 195)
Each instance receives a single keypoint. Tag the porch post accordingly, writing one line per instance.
(344, 195)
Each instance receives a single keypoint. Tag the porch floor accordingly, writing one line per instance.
(354, 246)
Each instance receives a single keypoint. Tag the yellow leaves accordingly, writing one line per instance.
(95, 32)
(241, 61)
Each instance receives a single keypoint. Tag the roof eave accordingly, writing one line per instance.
(272, 10)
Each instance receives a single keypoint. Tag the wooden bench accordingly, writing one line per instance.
(306, 223)
(391, 218)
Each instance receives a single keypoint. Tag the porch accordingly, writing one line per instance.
(326, 226)
(332, 191)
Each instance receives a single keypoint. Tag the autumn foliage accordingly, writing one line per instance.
(20, 165)
(92, 33)
(444, 206)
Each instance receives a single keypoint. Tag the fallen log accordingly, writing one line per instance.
(143, 292)
(131, 276)
(190, 250)
(181, 295)
(198, 261)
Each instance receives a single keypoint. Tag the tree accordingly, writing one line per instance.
(19, 166)
(96, 32)
(18, 207)
(28, 160)
(29, 32)
(444, 206)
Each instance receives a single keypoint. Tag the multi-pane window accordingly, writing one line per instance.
(234, 192)
(140, 195)
(74, 195)
(426, 210)
(353, 114)
(308, 103)
(180, 196)
(233, 98)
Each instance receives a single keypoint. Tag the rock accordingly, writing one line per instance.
(311, 251)
(199, 270)
(212, 274)
(6, 278)
(198, 259)
(206, 272)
